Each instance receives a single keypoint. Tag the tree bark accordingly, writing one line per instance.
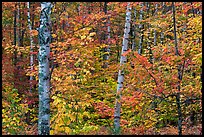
(178, 101)
(31, 45)
(15, 73)
(33, 15)
(18, 24)
(133, 30)
(141, 30)
(107, 37)
(15, 34)
(151, 59)
(44, 74)
(22, 25)
(162, 33)
(123, 60)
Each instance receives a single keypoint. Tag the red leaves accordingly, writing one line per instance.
(34, 53)
(125, 53)
(103, 109)
(143, 60)
(51, 54)
(167, 59)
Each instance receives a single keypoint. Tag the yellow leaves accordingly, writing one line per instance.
(59, 103)
(88, 28)
(87, 114)
(54, 97)
(57, 79)
(56, 101)
(92, 34)
(198, 58)
(54, 35)
(83, 37)
(67, 130)
(72, 117)
(14, 118)
(76, 106)
(63, 63)
(103, 46)
(60, 129)
(51, 132)
(89, 36)
(70, 105)
(31, 74)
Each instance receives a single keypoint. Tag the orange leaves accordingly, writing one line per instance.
(34, 32)
(126, 52)
(143, 60)
(103, 109)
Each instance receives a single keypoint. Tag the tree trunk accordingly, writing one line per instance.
(22, 25)
(123, 60)
(141, 30)
(155, 32)
(31, 45)
(107, 37)
(15, 34)
(151, 59)
(15, 73)
(178, 101)
(33, 15)
(162, 33)
(133, 30)
(18, 24)
(44, 74)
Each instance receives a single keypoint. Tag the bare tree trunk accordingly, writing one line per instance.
(178, 100)
(15, 73)
(162, 33)
(15, 34)
(141, 27)
(123, 60)
(31, 45)
(107, 37)
(22, 26)
(133, 30)
(151, 59)
(18, 24)
(33, 15)
(44, 74)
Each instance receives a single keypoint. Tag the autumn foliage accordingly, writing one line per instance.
(83, 91)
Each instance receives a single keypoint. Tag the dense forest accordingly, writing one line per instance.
(71, 68)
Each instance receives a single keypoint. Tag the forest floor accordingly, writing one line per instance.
(169, 130)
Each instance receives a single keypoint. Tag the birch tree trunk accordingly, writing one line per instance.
(31, 45)
(33, 15)
(44, 80)
(107, 37)
(141, 30)
(155, 32)
(133, 30)
(151, 59)
(162, 33)
(178, 100)
(123, 60)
